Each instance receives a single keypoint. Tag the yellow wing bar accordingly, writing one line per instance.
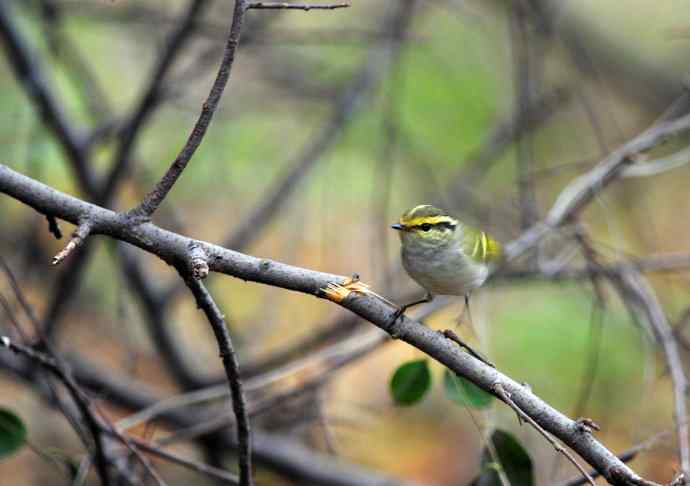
(481, 247)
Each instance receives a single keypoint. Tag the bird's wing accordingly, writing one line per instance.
(480, 246)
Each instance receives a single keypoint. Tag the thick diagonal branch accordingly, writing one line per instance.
(173, 248)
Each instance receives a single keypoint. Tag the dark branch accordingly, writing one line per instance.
(154, 198)
(505, 396)
(223, 476)
(29, 74)
(296, 6)
(81, 400)
(152, 94)
(53, 227)
(283, 456)
(582, 190)
(643, 300)
(232, 371)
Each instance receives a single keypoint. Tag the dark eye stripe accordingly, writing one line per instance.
(427, 226)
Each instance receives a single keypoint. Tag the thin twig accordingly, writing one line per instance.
(156, 311)
(644, 300)
(281, 455)
(450, 334)
(82, 401)
(213, 472)
(34, 80)
(78, 237)
(296, 6)
(505, 396)
(663, 262)
(299, 379)
(596, 318)
(625, 456)
(53, 227)
(524, 81)
(156, 196)
(151, 96)
(582, 190)
(345, 107)
(53, 362)
(227, 354)
(85, 406)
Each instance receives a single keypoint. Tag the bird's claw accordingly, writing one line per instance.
(393, 322)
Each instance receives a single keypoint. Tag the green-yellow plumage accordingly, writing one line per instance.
(442, 254)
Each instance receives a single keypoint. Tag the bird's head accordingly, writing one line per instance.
(426, 225)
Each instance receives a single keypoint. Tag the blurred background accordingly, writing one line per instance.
(333, 123)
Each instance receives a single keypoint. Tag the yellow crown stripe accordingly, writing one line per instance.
(428, 220)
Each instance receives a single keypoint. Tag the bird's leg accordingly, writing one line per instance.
(401, 310)
(465, 309)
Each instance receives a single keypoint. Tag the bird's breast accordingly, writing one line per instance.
(445, 271)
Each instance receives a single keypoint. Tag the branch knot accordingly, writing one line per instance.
(198, 261)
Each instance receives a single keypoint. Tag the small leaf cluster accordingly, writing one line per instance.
(503, 457)
(12, 433)
(412, 381)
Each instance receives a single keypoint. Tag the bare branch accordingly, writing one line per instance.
(524, 81)
(157, 313)
(151, 96)
(643, 298)
(505, 396)
(296, 6)
(29, 73)
(281, 455)
(53, 227)
(663, 262)
(625, 457)
(227, 354)
(78, 237)
(345, 107)
(313, 371)
(213, 472)
(659, 166)
(154, 198)
(582, 190)
(450, 334)
(82, 401)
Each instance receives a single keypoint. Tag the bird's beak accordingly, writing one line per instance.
(397, 226)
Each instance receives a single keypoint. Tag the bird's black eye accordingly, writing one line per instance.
(425, 227)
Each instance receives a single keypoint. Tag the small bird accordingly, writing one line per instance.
(443, 255)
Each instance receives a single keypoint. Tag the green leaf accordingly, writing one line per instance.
(12, 432)
(464, 392)
(410, 382)
(513, 460)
